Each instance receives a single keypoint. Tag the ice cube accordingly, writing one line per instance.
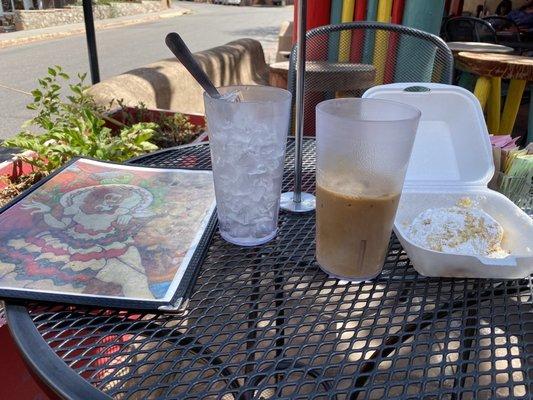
(233, 96)
(240, 230)
(258, 194)
(264, 226)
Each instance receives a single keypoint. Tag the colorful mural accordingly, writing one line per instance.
(105, 229)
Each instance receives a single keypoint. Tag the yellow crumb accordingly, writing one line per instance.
(465, 202)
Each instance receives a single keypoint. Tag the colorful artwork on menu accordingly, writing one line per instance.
(105, 230)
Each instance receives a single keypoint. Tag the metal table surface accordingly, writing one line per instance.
(479, 47)
(266, 322)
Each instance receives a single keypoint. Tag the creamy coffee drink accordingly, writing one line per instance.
(353, 232)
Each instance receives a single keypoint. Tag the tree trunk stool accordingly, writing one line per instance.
(325, 80)
(278, 74)
(325, 76)
(491, 69)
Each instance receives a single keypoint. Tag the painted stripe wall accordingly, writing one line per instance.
(382, 40)
(345, 40)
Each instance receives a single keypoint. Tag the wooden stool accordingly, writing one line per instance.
(278, 74)
(325, 80)
(339, 77)
(491, 69)
(324, 76)
(467, 80)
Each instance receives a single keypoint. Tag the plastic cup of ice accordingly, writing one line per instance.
(248, 137)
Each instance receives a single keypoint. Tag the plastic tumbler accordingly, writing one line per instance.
(363, 149)
(247, 141)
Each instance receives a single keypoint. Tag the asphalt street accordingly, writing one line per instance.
(122, 49)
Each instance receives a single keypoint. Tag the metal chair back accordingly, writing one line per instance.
(344, 60)
(469, 29)
(504, 25)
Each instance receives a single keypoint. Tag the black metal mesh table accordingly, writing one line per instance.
(266, 322)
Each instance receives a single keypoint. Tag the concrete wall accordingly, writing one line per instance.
(35, 19)
(470, 5)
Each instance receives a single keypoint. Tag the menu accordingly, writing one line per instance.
(107, 235)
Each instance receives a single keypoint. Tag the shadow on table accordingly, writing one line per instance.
(389, 337)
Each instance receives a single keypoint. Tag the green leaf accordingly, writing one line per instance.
(75, 126)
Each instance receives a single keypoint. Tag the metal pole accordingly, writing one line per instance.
(300, 79)
(91, 40)
(297, 201)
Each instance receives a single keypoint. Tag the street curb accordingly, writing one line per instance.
(99, 25)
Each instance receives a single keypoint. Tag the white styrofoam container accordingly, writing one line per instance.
(451, 159)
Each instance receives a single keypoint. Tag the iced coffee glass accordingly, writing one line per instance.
(363, 148)
(247, 140)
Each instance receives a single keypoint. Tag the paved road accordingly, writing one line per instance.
(125, 48)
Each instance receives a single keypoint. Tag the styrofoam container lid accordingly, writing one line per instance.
(451, 159)
(452, 145)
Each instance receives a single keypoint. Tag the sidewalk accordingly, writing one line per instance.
(55, 32)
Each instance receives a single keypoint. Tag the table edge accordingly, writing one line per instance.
(48, 366)
(40, 357)
(62, 379)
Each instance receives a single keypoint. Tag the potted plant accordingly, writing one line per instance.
(174, 129)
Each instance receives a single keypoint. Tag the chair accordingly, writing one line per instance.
(346, 59)
(469, 29)
(506, 29)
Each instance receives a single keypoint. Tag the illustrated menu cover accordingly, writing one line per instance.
(106, 234)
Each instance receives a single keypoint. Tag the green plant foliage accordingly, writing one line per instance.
(175, 130)
(172, 130)
(63, 129)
